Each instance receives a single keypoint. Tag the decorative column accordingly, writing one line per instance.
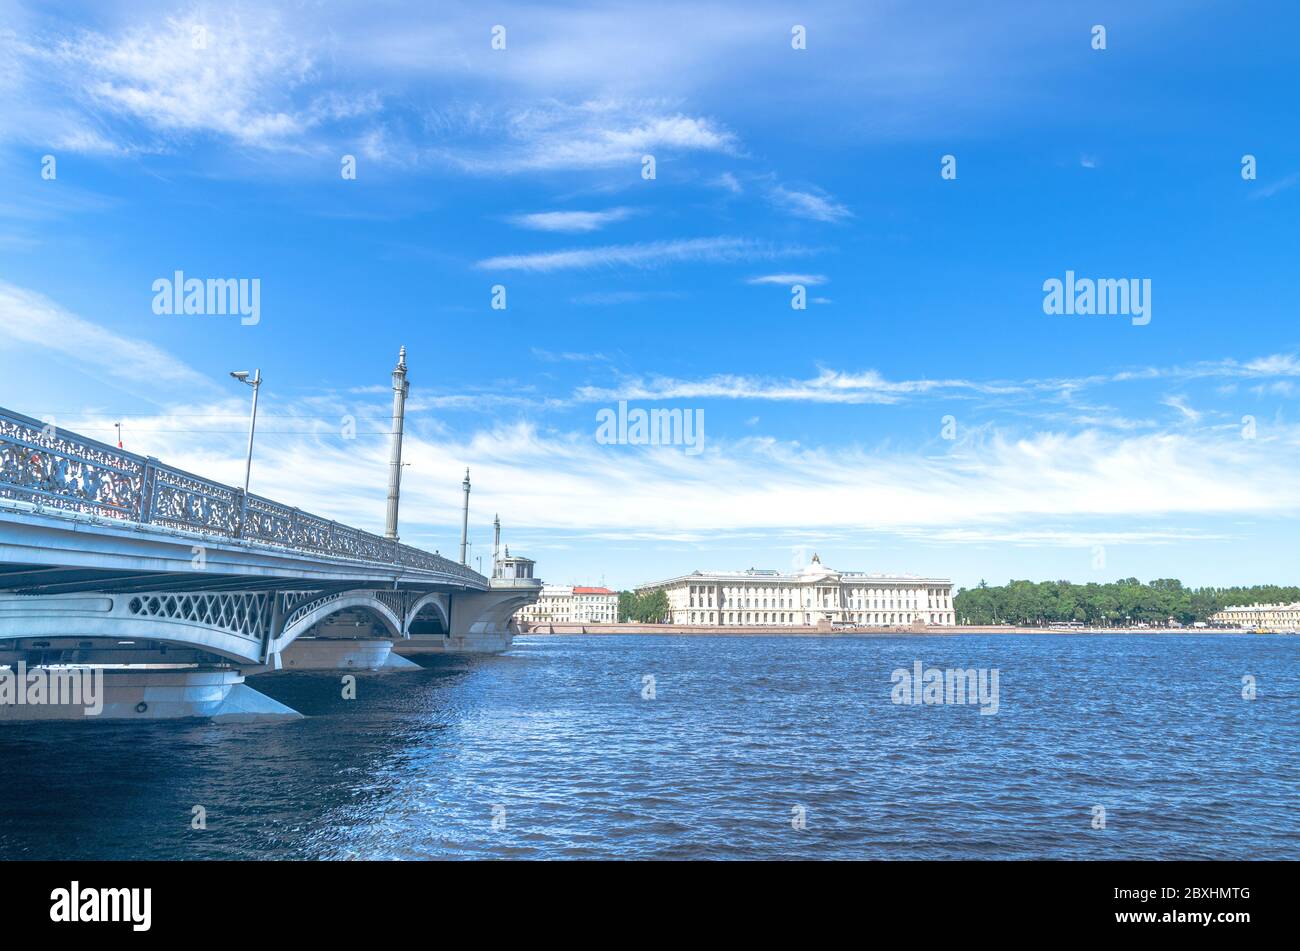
(400, 389)
(464, 519)
(496, 542)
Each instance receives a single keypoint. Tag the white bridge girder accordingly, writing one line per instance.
(251, 627)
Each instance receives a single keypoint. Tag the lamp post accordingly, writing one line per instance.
(255, 383)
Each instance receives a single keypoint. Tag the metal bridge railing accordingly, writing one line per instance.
(55, 468)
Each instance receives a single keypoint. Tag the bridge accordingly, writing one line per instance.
(177, 587)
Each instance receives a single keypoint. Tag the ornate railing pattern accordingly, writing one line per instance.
(242, 613)
(52, 467)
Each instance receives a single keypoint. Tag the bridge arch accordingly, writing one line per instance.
(434, 603)
(307, 615)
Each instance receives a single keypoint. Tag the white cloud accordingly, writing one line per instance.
(870, 386)
(571, 221)
(829, 386)
(553, 481)
(34, 322)
(1277, 364)
(1180, 404)
(1281, 185)
(728, 182)
(811, 280)
(613, 298)
(649, 254)
(815, 205)
(587, 135)
(551, 356)
(240, 84)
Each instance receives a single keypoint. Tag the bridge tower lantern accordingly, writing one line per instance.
(516, 567)
(400, 388)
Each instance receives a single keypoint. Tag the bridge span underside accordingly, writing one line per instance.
(164, 580)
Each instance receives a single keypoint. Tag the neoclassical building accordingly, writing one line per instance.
(1275, 617)
(564, 604)
(815, 595)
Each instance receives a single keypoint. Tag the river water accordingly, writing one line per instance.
(703, 747)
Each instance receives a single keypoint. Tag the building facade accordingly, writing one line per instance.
(815, 596)
(564, 604)
(1272, 617)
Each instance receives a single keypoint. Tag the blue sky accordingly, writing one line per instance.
(824, 427)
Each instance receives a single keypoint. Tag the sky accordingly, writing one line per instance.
(921, 170)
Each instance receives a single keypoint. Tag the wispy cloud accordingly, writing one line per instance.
(829, 386)
(570, 221)
(983, 486)
(992, 489)
(786, 279)
(34, 322)
(1281, 185)
(649, 254)
(551, 356)
(1180, 404)
(814, 205)
(207, 72)
(589, 135)
(613, 298)
(728, 182)
(871, 386)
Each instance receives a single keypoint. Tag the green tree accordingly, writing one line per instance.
(650, 608)
(1030, 603)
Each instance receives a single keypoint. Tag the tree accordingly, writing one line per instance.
(650, 608)
(654, 608)
(1026, 602)
(627, 605)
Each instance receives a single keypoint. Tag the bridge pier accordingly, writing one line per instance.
(143, 692)
(329, 653)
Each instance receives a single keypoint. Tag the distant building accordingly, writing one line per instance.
(1275, 617)
(563, 604)
(815, 595)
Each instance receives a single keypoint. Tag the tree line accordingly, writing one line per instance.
(649, 608)
(1120, 602)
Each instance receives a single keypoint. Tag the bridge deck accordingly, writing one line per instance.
(77, 514)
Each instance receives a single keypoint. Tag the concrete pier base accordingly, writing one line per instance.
(244, 704)
(475, 643)
(398, 662)
(308, 653)
(149, 692)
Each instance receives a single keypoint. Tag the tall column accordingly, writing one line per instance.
(464, 519)
(496, 542)
(400, 388)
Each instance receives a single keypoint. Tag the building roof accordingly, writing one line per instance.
(1293, 606)
(592, 591)
(815, 571)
